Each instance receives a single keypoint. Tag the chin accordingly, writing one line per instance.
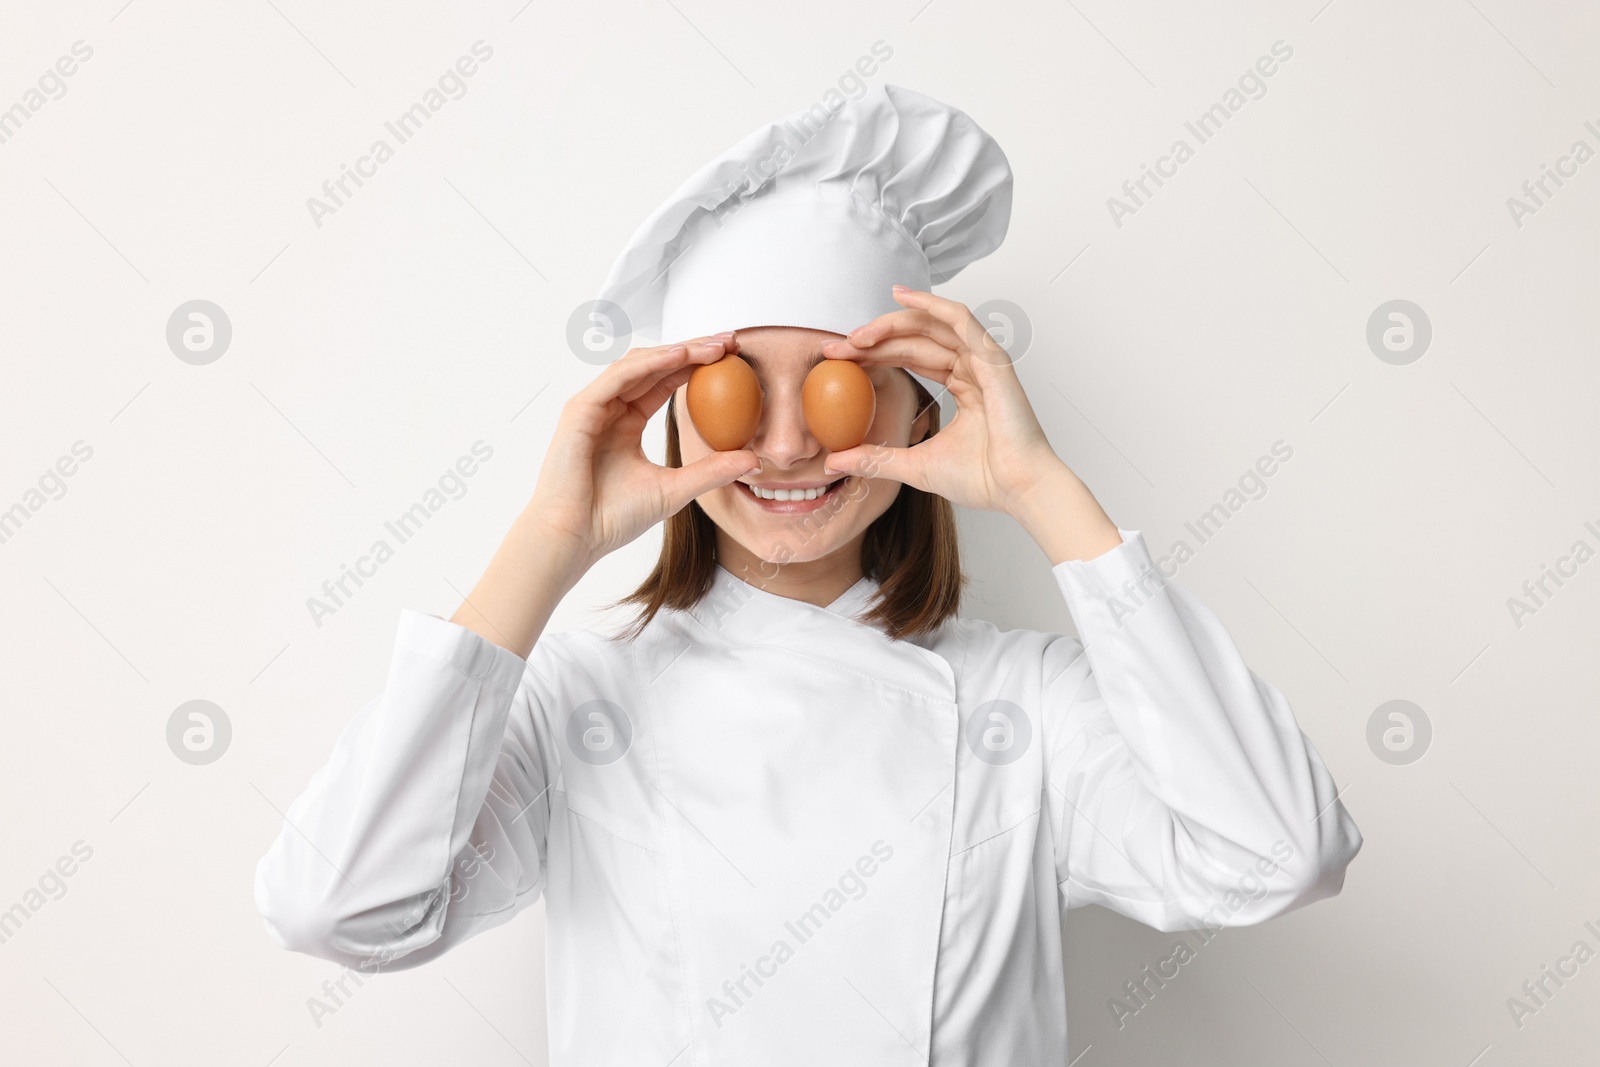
(789, 544)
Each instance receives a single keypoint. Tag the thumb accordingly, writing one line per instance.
(877, 461)
(683, 484)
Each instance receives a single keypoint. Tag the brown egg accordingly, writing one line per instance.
(839, 404)
(724, 402)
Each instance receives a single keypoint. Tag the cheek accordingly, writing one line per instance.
(691, 445)
(891, 425)
(871, 499)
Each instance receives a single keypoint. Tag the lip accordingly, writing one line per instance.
(792, 485)
(790, 507)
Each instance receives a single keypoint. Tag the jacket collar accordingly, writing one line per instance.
(852, 601)
(741, 613)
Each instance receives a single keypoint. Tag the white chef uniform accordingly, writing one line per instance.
(884, 834)
(765, 832)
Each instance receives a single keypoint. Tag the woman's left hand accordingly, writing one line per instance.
(993, 455)
(994, 451)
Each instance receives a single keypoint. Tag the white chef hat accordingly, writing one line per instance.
(807, 222)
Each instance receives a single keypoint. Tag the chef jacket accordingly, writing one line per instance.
(767, 833)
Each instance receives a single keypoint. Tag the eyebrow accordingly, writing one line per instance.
(755, 362)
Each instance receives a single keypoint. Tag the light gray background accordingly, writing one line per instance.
(1169, 353)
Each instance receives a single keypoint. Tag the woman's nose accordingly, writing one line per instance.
(783, 436)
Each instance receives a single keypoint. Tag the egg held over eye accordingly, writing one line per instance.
(724, 400)
(839, 404)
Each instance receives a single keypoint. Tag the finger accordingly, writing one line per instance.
(923, 355)
(879, 461)
(638, 367)
(959, 319)
(729, 345)
(648, 397)
(655, 398)
(652, 397)
(683, 484)
(911, 322)
(636, 374)
(729, 339)
(946, 311)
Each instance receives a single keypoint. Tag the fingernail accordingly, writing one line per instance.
(901, 289)
(725, 336)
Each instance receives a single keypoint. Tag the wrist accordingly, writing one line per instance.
(1051, 481)
(562, 556)
(1062, 516)
(534, 568)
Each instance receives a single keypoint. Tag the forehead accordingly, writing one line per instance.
(790, 351)
(783, 347)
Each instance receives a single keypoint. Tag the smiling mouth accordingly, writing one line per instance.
(789, 501)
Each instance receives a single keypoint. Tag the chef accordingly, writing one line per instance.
(803, 812)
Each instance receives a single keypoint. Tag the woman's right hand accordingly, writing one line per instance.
(597, 491)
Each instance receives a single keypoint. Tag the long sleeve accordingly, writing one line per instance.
(1182, 792)
(428, 823)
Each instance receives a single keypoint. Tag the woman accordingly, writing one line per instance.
(803, 812)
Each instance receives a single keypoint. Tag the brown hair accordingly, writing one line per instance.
(910, 550)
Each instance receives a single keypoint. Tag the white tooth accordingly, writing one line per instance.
(788, 494)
